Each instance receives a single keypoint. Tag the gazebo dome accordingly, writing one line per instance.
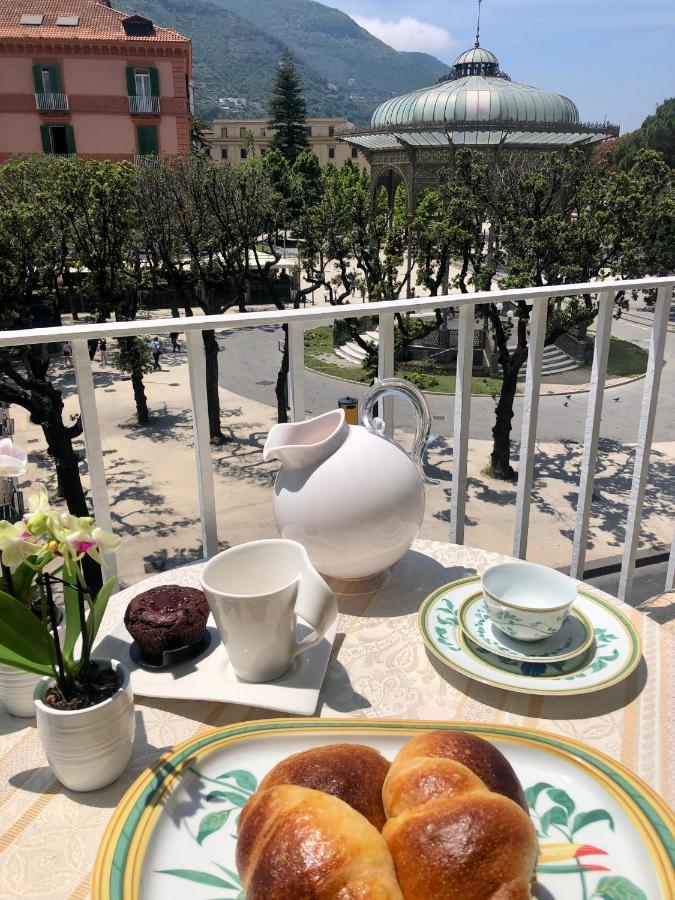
(476, 91)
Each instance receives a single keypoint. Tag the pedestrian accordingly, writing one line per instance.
(156, 349)
(103, 347)
(67, 354)
(174, 340)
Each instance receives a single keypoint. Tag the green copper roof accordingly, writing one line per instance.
(476, 92)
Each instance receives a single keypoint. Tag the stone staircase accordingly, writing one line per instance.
(554, 362)
(351, 352)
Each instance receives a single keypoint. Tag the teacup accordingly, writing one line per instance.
(256, 591)
(526, 601)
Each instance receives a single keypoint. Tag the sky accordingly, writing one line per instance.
(614, 58)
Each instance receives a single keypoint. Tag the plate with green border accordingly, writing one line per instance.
(573, 639)
(615, 652)
(603, 833)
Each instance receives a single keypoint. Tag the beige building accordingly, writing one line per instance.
(232, 141)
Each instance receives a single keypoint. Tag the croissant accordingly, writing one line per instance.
(295, 843)
(458, 827)
(353, 772)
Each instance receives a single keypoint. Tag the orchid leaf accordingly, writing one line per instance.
(22, 634)
(72, 607)
(99, 607)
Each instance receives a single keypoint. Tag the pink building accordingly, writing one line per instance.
(79, 77)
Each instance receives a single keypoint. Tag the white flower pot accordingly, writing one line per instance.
(16, 691)
(88, 749)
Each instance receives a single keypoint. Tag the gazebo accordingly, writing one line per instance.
(475, 105)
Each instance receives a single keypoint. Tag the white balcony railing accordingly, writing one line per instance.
(298, 320)
(51, 102)
(143, 104)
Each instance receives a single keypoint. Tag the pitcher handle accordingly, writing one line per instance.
(316, 604)
(399, 387)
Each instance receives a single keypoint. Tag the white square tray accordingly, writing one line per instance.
(210, 676)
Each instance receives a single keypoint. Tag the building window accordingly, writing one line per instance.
(242, 132)
(331, 130)
(262, 151)
(223, 152)
(47, 78)
(263, 132)
(146, 136)
(243, 152)
(331, 153)
(223, 132)
(355, 153)
(57, 140)
(142, 82)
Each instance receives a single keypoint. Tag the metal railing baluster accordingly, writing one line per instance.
(385, 367)
(603, 327)
(643, 447)
(202, 439)
(460, 433)
(529, 426)
(94, 449)
(296, 370)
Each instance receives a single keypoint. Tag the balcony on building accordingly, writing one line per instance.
(143, 91)
(51, 102)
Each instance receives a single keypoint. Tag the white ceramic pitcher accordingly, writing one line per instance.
(350, 495)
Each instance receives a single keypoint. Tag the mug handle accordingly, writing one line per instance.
(316, 604)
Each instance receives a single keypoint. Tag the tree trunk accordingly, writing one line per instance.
(142, 413)
(500, 457)
(212, 396)
(281, 389)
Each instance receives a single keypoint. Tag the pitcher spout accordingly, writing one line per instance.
(300, 444)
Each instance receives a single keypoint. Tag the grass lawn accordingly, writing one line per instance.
(319, 344)
(626, 359)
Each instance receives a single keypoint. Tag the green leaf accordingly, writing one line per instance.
(199, 877)
(533, 792)
(99, 608)
(562, 798)
(594, 815)
(556, 815)
(22, 581)
(236, 799)
(244, 779)
(614, 887)
(71, 606)
(23, 636)
(211, 823)
(233, 875)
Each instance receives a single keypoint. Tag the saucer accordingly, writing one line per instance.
(614, 654)
(575, 636)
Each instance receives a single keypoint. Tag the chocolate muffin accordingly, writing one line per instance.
(166, 618)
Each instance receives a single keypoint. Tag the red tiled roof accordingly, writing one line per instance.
(97, 22)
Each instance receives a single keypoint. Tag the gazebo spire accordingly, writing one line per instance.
(477, 44)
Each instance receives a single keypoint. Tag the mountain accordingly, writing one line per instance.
(237, 44)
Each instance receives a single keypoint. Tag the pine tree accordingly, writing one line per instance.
(288, 112)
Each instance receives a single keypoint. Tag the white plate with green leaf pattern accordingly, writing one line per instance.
(603, 833)
(573, 639)
(614, 654)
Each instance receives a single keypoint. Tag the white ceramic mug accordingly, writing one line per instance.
(256, 591)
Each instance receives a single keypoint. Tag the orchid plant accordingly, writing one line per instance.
(39, 554)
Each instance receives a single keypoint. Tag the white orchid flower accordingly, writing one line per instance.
(16, 543)
(13, 459)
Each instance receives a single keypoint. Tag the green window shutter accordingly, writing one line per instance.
(131, 81)
(46, 139)
(154, 82)
(55, 76)
(147, 140)
(37, 78)
(70, 139)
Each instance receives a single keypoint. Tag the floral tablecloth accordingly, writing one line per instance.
(49, 836)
